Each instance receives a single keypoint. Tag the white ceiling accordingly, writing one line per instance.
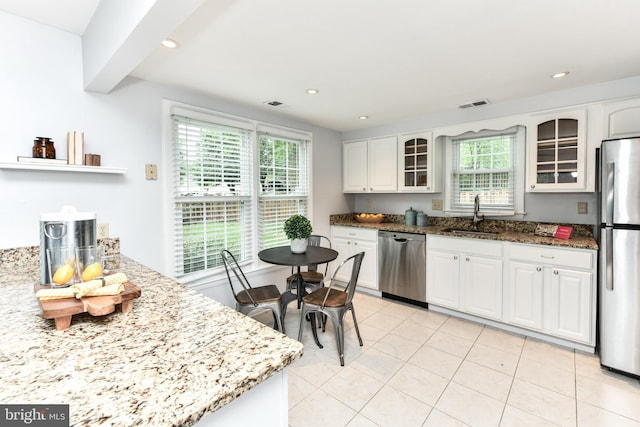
(387, 59)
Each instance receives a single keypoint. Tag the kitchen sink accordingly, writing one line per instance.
(469, 232)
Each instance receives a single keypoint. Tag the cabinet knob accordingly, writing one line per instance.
(532, 186)
(455, 257)
(467, 258)
(555, 272)
(364, 189)
(355, 243)
(538, 268)
(371, 189)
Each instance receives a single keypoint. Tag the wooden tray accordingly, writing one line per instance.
(63, 309)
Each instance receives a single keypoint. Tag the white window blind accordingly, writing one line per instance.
(284, 185)
(484, 166)
(213, 190)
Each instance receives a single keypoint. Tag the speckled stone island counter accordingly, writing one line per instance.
(508, 231)
(175, 358)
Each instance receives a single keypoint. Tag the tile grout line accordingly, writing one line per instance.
(513, 379)
(404, 363)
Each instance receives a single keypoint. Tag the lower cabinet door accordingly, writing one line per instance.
(343, 246)
(482, 286)
(570, 294)
(368, 276)
(443, 279)
(525, 295)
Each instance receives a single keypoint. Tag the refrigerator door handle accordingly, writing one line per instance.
(609, 194)
(609, 258)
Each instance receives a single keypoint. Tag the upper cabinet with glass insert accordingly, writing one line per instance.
(416, 154)
(557, 147)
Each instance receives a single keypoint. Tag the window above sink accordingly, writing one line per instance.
(488, 163)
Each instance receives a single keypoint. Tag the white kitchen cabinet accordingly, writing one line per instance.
(418, 170)
(621, 119)
(552, 290)
(557, 152)
(465, 275)
(349, 241)
(482, 285)
(354, 167)
(370, 165)
(569, 313)
(525, 304)
(443, 278)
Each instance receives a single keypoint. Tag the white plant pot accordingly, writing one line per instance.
(298, 246)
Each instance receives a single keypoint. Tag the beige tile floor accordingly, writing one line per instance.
(421, 368)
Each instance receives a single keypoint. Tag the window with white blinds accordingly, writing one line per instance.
(284, 185)
(213, 193)
(487, 165)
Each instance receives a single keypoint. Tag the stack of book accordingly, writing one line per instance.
(41, 161)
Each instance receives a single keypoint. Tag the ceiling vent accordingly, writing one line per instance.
(474, 103)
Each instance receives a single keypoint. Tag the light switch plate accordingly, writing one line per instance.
(102, 231)
(151, 172)
(583, 208)
(436, 204)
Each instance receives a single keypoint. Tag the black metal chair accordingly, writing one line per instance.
(315, 275)
(334, 303)
(249, 298)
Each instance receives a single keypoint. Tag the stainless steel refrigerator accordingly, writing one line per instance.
(619, 267)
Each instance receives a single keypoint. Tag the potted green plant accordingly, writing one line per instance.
(298, 229)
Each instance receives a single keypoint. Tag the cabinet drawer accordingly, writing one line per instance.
(574, 258)
(355, 233)
(467, 246)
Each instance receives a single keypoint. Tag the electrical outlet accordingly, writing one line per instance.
(583, 208)
(436, 204)
(151, 172)
(103, 231)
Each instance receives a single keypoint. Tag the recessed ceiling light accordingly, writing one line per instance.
(363, 117)
(559, 75)
(169, 43)
(312, 91)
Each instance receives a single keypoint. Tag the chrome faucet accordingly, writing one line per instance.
(477, 219)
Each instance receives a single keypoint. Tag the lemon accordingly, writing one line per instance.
(63, 274)
(92, 271)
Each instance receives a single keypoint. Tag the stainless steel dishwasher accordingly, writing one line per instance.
(402, 266)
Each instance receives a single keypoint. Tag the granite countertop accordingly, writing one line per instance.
(506, 231)
(175, 358)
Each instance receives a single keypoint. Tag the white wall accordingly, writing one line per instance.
(42, 95)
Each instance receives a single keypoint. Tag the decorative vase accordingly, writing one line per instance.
(298, 246)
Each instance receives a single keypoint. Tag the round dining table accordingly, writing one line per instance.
(282, 255)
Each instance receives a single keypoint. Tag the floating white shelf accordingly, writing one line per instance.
(63, 168)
